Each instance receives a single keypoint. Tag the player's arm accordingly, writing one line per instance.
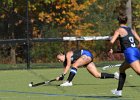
(67, 67)
(113, 39)
(136, 36)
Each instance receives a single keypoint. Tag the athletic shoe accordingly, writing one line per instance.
(66, 84)
(116, 75)
(117, 92)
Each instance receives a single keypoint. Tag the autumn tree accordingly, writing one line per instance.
(58, 18)
(136, 15)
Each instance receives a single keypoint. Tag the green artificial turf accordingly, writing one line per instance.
(14, 86)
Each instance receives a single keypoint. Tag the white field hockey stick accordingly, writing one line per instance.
(111, 66)
(31, 84)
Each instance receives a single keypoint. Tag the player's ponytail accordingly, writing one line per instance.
(122, 18)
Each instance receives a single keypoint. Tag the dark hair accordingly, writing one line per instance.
(122, 19)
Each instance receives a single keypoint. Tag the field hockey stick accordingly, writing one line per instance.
(31, 84)
(111, 66)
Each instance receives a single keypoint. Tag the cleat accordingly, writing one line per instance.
(66, 84)
(116, 75)
(117, 92)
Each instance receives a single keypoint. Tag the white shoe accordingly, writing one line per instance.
(66, 84)
(117, 92)
(116, 75)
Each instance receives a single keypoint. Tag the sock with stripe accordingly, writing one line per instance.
(73, 71)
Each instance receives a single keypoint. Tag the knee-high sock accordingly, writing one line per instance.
(106, 75)
(73, 71)
(121, 81)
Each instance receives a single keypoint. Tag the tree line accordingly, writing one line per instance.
(58, 18)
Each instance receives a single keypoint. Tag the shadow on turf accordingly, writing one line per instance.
(85, 84)
(101, 97)
(132, 86)
(73, 84)
(66, 95)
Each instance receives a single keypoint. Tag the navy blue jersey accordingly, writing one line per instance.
(128, 40)
(128, 46)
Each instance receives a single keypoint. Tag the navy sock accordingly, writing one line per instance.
(73, 71)
(121, 81)
(106, 75)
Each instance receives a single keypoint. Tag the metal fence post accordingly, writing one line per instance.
(28, 36)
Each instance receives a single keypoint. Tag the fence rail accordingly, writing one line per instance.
(82, 38)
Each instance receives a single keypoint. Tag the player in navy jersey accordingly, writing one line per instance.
(74, 59)
(127, 38)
